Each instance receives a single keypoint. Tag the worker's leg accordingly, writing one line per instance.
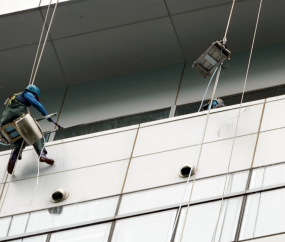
(42, 152)
(13, 158)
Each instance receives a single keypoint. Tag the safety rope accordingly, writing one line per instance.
(202, 140)
(246, 77)
(44, 44)
(200, 149)
(38, 49)
(228, 24)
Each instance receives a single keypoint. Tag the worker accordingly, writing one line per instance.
(16, 107)
(217, 103)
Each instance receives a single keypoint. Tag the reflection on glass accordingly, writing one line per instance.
(153, 227)
(264, 214)
(4, 226)
(73, 214)
(202, 220)
(41, 238)
(18, 224)
(172, 195)
(98, 233)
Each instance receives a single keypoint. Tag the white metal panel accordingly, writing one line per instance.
(153, 227)
(4, 225)
(3, 165)
(171, 195)
(18, 224)
(274, 238)
(271, 209)
(72, 214)
(222, 125)
(162, 168)
(158, 169)
(215, 157)
(78, 154)
(168, 136)
(47, 2)
(17, 5)
(41, 238)
(82, 184)
(98, 233)
(270, 148)
(273, 117)
(202, 220)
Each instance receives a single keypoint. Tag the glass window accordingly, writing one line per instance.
(72, 214)
(153, 227)
(98, 233)
(41, 238)
(4, 226)
(268, 176)
(171, 195)
(18, 224)
(264, 214)
(202, 220)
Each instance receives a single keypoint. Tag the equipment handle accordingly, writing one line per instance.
(46, 117)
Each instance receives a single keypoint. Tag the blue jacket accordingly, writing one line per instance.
(29, 100)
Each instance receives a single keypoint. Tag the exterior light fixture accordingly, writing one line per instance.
(214, 56)
(58, 195)
(187, 169)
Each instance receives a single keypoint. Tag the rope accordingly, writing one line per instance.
(207, 90)
(246, 77)
(200, 150)
(35, 61)
(44, 44)
(201, 140)
(228, 24)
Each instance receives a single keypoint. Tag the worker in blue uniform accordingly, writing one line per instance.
(217, 103)
(16, 107)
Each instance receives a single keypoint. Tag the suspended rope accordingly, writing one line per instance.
(33, 76)
(200, 145)
(245, 81)
(228, 24)
(31, 81)
(36, 57)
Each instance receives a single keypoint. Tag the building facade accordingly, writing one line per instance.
(119, 76)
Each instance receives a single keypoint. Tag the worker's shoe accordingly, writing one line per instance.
(12, 161)
(44, 158)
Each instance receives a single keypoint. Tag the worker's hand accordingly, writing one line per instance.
(50, 120)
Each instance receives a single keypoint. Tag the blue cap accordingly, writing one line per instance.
(34, 89)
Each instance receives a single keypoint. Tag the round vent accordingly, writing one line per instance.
(186, 169)
(58, 195)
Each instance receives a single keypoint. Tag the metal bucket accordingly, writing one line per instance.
(29, 129)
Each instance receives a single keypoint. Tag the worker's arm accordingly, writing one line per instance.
(35, 103)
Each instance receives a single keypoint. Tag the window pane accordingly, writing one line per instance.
(72, 214)
(98, 233)
(202, 220)
(171, 195)
(268, 176)
(41, 238)
(264, 214)
(18, 224)
(153, 227)
(4, 226)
